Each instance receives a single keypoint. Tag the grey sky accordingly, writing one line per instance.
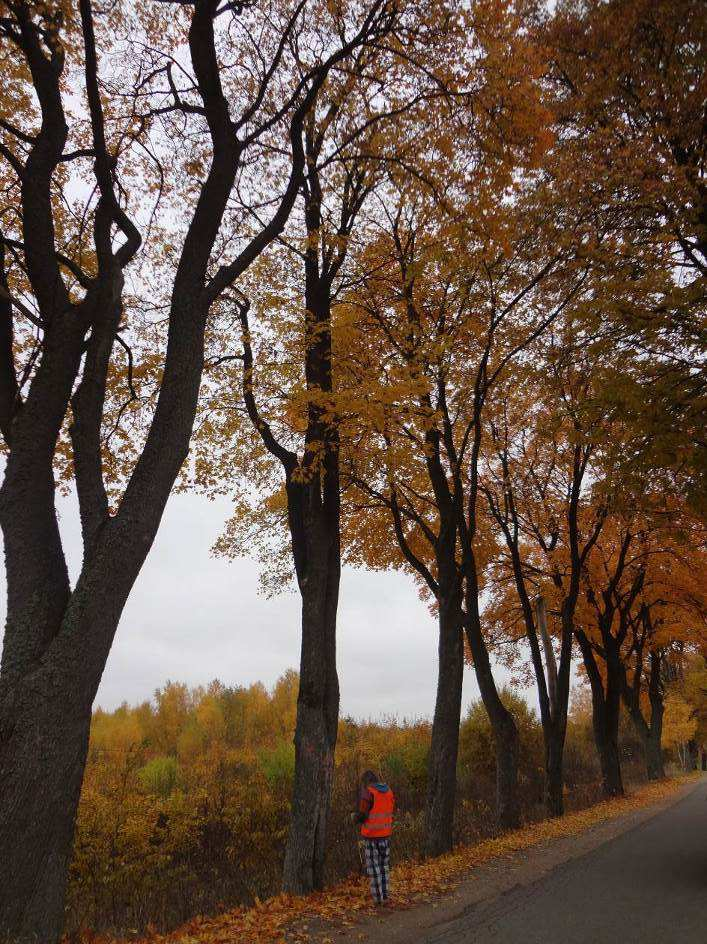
(192, 618)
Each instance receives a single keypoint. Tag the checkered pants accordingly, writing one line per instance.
(377, 857)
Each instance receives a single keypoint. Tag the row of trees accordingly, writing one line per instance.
(428, 279)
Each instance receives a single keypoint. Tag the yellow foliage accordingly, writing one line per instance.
(679, 721)
(412, 882)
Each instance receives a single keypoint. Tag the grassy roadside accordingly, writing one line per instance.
(283, 918)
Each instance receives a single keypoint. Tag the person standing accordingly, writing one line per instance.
(376, 807)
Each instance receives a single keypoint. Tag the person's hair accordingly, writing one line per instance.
(369, 777)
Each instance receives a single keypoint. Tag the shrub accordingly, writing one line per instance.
(159, 776)
(278, 764)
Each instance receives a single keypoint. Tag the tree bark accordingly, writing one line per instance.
(315, 743)
(444, 748)
(41, 768)
(314, 509)
(505, 732)
(45, 717)
(507, 800)
(57, 639)
(555, 731)
(605, 718)
(554, 772)
(607, 748)
(651, 740)
(606, 708)
(654, 756)
(649, 732)
(550, 661)
(654, 744)
(318, 700)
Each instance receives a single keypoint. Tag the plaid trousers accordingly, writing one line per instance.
(377, 857)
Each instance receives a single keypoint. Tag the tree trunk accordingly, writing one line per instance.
(605, 717)
(57, 642)
(507, 801)
(317, 704)
(41, 770)
(45, 718)
(550, 662)
(607, 748)
(556, 731)
(553, 708)
(654, 756)
(651, 738)
(442, 769)
(654, 745)
(505, 732)
(554, 778)
(606, 710)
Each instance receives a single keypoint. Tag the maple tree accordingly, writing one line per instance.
(660, 624)
(348, 139)
(66, 280)
(536, 483)
(457, 305)
(615, 105)
(327, 409)
(312, 485)
(631, 613)
(630, 81)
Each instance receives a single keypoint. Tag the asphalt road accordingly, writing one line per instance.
(648, 886)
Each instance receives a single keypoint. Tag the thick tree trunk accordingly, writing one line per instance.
(554, 695)
(651, 737)
(608, 737)
(507, 801)
(605, 717)
(41, 769)
(607, 748)
(45, 718)
(45, 705)
(555, 731)
(57, 642)
(505, 732)
(554, 772)
(606, 711)
(654, 756)
(654, 743)
(442, 769)
(317, 705)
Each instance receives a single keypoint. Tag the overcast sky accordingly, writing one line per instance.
(192, 618)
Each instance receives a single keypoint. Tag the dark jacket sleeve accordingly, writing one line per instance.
(365, 802)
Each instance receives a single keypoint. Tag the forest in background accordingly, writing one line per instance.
(186, 799)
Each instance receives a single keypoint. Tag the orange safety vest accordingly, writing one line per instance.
(379, 822)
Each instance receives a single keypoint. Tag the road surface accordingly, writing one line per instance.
(648, 886)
